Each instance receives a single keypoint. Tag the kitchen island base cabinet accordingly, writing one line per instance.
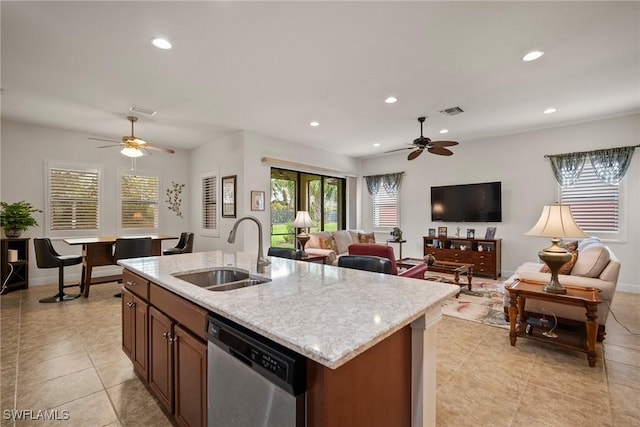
(373, 389)
(134, 332)
(163, 335)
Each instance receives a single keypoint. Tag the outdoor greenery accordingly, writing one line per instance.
(17, 215)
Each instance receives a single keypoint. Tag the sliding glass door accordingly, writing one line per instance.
(322, 196)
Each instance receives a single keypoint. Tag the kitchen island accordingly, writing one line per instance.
(347, 323)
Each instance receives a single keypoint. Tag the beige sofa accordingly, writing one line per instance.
(596, 266)
(341, 238)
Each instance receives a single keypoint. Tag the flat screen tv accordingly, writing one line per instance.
(467, 203)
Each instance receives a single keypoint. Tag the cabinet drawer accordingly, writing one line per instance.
(457, 256)
(182, 311)
(135, 284)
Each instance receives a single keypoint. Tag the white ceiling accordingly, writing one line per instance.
(272, 67)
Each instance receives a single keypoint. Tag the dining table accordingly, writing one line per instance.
(98, 252)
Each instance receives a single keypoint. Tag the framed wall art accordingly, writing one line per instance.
(257, 200)
(229, 196)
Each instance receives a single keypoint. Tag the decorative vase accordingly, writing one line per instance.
(12, 232)
(429, 259)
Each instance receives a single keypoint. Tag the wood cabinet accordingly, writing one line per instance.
(484, 254)
(164, 336)
(134, 332)
(19, 277)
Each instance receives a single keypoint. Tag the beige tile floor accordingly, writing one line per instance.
(67, 357)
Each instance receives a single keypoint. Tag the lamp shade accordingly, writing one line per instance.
(556, 221)
(303, 220)
(131, 152)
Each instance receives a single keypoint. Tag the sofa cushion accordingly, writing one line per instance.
(328, 243)
(591, 261)
(584, 243)
(343, 240)
(366, 238)
(572, 248)
(314, 239)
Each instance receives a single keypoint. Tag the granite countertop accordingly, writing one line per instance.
(326, 313)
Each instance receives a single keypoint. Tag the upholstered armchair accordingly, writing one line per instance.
(372, 249)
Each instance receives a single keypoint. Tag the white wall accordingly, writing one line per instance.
(24, 149)
(241, 154)
(527, 184)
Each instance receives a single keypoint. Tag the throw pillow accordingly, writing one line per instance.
(572, 248)
(329, 243)
(366, 238)
(592, 261)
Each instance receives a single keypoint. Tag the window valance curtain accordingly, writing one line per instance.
(390, 182)
(610, 164)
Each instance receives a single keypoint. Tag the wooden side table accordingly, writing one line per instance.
(399, 242)
(320, 259)
(588, 298)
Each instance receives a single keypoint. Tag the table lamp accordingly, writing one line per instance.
(303, 220)
(556, 222)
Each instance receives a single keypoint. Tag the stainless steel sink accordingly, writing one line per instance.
(222, 279)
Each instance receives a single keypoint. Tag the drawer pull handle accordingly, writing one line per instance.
(131, 283)
(131, 304)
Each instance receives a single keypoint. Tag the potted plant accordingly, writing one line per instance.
(16, 217)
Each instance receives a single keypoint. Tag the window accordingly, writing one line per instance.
(385, 209)
(210, 203)
(595, 205)
(139, 202)
(73, 205)
(291, 191)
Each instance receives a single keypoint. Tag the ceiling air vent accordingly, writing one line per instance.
(453, 111)
(142, 110)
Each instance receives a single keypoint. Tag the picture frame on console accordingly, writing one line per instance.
(442, 231)
(491, 233)
(432, 232)
(471, 233)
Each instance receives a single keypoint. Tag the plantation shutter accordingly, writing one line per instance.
(385, 209)
(209, 205)
(595, 205)
(73, 199)
(139, 195)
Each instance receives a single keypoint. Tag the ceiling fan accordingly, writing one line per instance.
(132, 145)
(434, 147)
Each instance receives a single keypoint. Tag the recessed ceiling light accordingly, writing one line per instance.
(533, 55)
(161, 43)
(314, 124)
(377, 144)
(391, 100)
(550, 110)
(444, 130)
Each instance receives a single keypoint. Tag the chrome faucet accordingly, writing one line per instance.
(262, 261)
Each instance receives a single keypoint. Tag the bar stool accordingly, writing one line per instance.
(130, 248)
(184, 246)
(47, 257)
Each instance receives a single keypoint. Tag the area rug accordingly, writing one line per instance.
(482, 304)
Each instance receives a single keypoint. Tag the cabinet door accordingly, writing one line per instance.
(140, 338)
(190, 370)
(128, 326)
(161, 357)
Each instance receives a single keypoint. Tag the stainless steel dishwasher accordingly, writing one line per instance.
(252, 381)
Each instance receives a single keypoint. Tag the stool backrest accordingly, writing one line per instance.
(368, 263)
(131, 248)
(46, 255)
(285, 253)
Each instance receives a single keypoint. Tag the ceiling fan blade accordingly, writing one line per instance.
(443, 143)
(108, 146)
(102, 139)
(440, 151)
(157, 148)
(412, 155)
(400, 149)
